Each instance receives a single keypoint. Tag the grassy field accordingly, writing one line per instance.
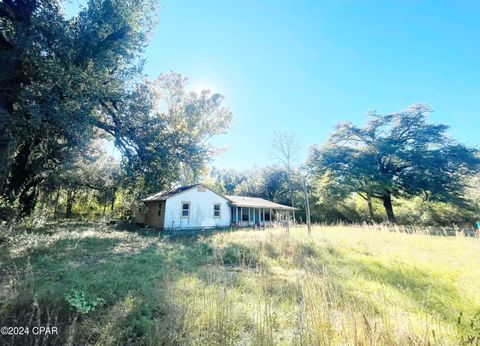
(342, 286)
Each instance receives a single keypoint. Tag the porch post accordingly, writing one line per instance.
(241, 214)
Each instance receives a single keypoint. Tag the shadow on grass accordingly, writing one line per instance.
(427, 291)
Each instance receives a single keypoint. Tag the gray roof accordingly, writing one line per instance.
(255, 202)
(239, 201)
(163, 195)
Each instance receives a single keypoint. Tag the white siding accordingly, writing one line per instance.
(201, 210)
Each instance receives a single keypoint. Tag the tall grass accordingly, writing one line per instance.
(344, 285)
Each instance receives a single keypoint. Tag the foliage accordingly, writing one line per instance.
(63, 74)
(470, 329)
(398, 155)
(169, 141)
(270, 182)
(225, 181)
(79, 301)
(69, 81)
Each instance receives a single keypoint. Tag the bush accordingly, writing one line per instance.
(238, 254)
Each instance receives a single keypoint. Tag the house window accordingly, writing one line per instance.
(185, 209)
(216, 210)
(245, 214)
(159, 209)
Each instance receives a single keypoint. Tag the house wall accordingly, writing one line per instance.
(150, 215)
(201, 209)
(139, 215)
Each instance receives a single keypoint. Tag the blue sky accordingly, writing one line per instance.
(303, 66)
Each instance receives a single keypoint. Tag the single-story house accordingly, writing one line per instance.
(197, 206)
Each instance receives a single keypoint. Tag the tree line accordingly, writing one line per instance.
(72, 87)
(397, 158)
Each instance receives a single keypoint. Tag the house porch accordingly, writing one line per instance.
(261, 217)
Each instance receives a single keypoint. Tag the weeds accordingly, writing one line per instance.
(342, 286)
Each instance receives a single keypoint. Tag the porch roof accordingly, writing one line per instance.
(255, 202)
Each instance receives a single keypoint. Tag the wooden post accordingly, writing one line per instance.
(307, 205)
(287, 214)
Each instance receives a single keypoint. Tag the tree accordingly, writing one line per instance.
(92, 173)
(269, 182)
(225, 181)
(163, 131)
(395, 155)
(61, 76)
(69, 81)
(286, 148)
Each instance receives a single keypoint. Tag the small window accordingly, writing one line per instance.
(185, 209)
(216, 210)
(159, 209)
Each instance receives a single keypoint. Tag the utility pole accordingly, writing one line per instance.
(307, 205)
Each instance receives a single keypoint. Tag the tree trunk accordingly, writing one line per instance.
(4, 148)
(292, 202)
(56, 204)
(112, 205)
(69, 207)
(370, 208)
(27, 200)
(20, 172)
(387, 204)
(23, 182)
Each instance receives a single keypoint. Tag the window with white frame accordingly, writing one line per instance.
(216, 210)
(185, 209)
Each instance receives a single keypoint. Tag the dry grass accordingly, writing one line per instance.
(343, 285)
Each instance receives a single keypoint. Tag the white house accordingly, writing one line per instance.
(197, 206)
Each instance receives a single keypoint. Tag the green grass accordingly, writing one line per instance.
(342, 285)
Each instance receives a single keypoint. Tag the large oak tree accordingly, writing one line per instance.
(66, 80)
(394, 155)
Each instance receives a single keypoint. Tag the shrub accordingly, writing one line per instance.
(238, 254)
(80, 302)
(470, 329)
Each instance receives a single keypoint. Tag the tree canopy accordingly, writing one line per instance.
(67, 81)
(394, 155)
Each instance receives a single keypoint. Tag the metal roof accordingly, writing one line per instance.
(255, 202)
(163, 195)
(239, 201)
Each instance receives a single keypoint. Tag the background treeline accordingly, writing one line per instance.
(397, 168)
(72, 89)
(263, 183)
